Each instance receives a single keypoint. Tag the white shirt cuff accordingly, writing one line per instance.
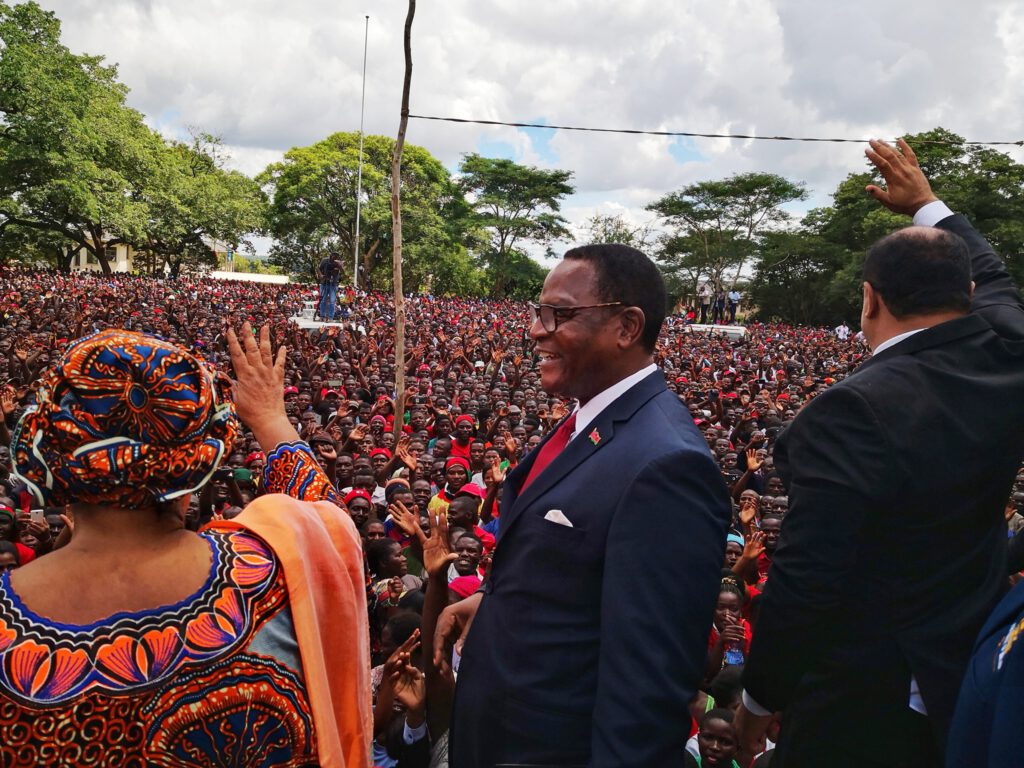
(753, 707)
(931, 214)
(412, 735)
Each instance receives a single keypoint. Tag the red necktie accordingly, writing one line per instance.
(550, 450)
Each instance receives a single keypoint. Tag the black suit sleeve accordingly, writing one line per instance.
(661, 579)
(996, 298)
(840, 465)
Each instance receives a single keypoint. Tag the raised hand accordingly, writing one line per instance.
(754, 546)
(7, 404)
(497, 473)
(753, 463)
(327, 451)
(259, 386)
(511, 446)
(748, 511)
(410, 686)
(437, 553)
(359, 431)
(403, 454)
(906, 188)
(405, 519)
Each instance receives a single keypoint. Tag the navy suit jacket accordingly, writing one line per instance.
(987, 730)
(590, 640)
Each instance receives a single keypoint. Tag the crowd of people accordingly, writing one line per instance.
(426, 497)
(473, 409)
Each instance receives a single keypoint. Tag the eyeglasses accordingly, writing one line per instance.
(550, 315)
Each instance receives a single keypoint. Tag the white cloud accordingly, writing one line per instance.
(268, 75)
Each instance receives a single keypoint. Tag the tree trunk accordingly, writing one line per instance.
(64, 258)
(99, 249)
(396, 228)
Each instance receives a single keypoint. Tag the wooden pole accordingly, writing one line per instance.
(396, 230)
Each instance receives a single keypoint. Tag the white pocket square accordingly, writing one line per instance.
(556, 516)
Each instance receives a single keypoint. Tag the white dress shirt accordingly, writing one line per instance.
(587, 413)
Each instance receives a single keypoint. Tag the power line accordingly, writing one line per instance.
(692, 134)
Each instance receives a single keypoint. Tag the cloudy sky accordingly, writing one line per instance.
(267, 75)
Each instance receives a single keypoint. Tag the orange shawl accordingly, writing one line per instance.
(322, 557)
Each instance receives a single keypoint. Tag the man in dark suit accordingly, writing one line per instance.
(893, 551)
(590, 637)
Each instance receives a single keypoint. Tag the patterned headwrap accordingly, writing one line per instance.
(124, 419)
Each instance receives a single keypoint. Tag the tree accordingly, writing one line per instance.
(717, 224)
(515, 204)
(73, 156)
(312, 208)
(796, 280)
(613, 228)
(193, 202)
(984, 184)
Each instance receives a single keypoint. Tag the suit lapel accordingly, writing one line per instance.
(596, 436)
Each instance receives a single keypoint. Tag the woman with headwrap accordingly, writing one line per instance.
(143, 643)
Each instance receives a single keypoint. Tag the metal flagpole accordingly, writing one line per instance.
(359, 183)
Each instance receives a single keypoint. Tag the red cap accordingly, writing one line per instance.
(357, 493)
(471, 489)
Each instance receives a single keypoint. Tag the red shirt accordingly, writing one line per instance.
(458, 450)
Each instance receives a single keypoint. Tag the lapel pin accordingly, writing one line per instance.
(595, 437)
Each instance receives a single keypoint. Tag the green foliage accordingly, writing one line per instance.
(716, 225)
(73, 157)
(80, 169)
(613, 228)
(312, 212)
(514, 204)
(796, 280)
(985, 185)
(194, 202)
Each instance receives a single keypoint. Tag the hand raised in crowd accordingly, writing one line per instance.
(748, 512)
(496, 472)
(391, 677)
(259, 386)
(404, 455)
(326, 451)
(410, 688)
(40, 530)
(359, 432)
(753, 463)
(906, 188)
(7, 404)
(753, 547)
(511, 445)
(437, 553)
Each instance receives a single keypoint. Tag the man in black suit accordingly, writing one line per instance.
(590, 636)
(893, 551)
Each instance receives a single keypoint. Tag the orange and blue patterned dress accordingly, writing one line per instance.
(215, 680)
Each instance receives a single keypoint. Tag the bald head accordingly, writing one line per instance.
(920, 271)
